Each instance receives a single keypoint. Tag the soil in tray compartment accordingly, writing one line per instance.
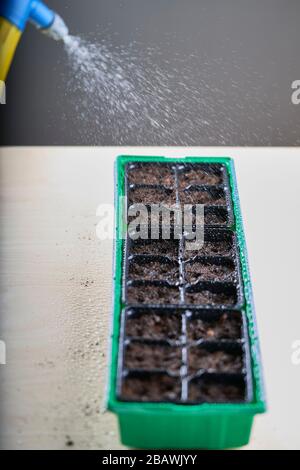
(210, 392)
(211, 248)
(217, 361)
(152, 387)
(213, 218)
(228, 326)
(207, 297)
(198, 176)
(217, 218)
(156, 247)
(153, 271)
(151, 196)
(152, 294)
(151, 173)
(202, 197)
(200, 271)
(154, 326)
(166, 214)
(152, 356)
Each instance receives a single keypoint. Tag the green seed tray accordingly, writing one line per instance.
(183, 425)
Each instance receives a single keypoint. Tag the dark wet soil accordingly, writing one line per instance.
(206, 391)
(199, 176)
(152, 294)
(155, 247)
(151, 173)
(202, 197)
(219, 217)
(154, 326)
(150, 221)
(215, 218)
(211, 248)
(213, 361)
(152, 196)
(228, 326)
(152, 387)
(152, 356)
(202, 271)
(153, 271)
(207, 297)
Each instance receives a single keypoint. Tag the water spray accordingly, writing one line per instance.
(14, 15)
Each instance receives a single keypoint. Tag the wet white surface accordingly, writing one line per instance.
(56, 291)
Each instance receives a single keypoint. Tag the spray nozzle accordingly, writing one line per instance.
(58, 29)
(49, 22)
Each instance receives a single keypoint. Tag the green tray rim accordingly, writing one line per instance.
(258, 404)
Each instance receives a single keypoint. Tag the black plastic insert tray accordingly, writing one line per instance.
(209, 277)
(185, 350)
(183, 334)
(171, 184)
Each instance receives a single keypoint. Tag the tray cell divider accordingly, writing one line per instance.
(184, 349)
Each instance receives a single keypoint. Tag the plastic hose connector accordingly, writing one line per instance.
(41, 15)
(18, 12)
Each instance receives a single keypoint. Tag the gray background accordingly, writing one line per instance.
(246, 52)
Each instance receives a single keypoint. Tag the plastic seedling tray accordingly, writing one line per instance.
(185, 365)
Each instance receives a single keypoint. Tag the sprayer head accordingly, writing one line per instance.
(58, 29)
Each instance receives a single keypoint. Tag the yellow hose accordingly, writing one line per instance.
(9, 38)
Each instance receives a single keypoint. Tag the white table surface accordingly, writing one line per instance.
(55, 280)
